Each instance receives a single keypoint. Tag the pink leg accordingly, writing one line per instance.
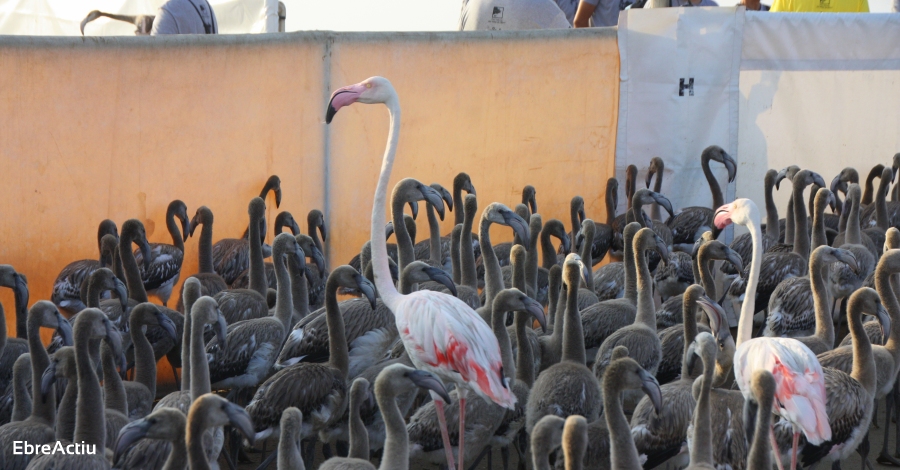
(794, 450)
(439, 405)
(461, 456)
(775, 450)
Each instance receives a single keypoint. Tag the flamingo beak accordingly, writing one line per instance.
(518, 224)
(439, 275)
(731, 166)
(818, 180)
(366, 288)
(428, 381)
(534, 308)
(48, 378)
(651, 387)
(122, 293)
(114, 339)
(723, 216)
(665, 203)
(318, 259)
(885, 320)
(278, 197)
(434, 198)
(447, 197)
(735, 259)
(837, 184)
(64, 328)
(185, 226)
(128, 435)
(240, 420)
(322, 231)
(166, 323)
(650, 173)
(221, 330)
(847, 258)
(780, 176)
(343, 97)
(414, 209)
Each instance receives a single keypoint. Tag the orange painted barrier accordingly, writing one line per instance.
(94, 128)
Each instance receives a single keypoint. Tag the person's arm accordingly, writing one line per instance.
(164, 23)
(584, 13)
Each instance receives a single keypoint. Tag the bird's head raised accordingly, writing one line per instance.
(741, 211)
(369, 91)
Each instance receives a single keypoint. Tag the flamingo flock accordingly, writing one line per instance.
(633, 364)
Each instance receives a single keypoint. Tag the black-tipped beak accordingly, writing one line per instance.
(818, 180)
(195, 221)
(434, 198)
(221, 330)
(692, 357)
(367, 289)
(300, 258)
(832, 202)
(128, 435)
(665, 203)
(48, 378)
(439, 275)
(318, 259)
(447, 197)
(662, 249)
(651, 387)
(649, 178)
(533, 204)
(329, 114)
(518, 224)
(735, 259)
(146, 252)
(167, 324)
(295, 229)
(585, 271)
(428, 381)
(696, 248)
(64, 329)
(414, 209)
(278, 198)
(240, 420)
(322, 231)
(185, 227)
(121, 293)
(579, 239)
(21, 290)
(566, 243)
(836, 184)
(389, 229)
(782, 174)
(847, 258)
(716, 316)
(885, 321)
(731, 165)
(395, 271)
(534, 308)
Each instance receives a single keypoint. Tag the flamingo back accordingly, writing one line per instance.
(799, 382)
(445, 336)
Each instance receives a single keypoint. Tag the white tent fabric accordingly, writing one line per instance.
(681, 98)
(63, 17)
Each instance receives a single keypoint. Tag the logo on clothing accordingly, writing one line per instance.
(825, 4)
(497, 14)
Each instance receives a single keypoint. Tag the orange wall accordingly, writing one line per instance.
(116, 128)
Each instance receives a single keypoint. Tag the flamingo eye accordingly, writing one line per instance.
(368, 85)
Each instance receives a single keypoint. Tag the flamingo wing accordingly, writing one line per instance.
(443, 334)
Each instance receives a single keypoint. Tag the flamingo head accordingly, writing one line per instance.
(369, 91)
(161, 424)
(703, 347)
(500, 214)
(788, 173)
(867, 301)
(656, 166)
(573, 264)
(741, 211)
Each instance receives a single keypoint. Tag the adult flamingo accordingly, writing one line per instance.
(441, 333)
(800, 383)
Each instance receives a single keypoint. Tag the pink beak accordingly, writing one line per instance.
(722, 217)
(343, 97)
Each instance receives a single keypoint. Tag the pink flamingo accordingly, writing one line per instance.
(800, 383)
(441, 333)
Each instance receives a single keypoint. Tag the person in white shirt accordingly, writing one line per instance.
(507, 15)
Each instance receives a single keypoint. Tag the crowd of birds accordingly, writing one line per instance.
(453, 347)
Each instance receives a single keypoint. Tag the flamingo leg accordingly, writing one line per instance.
(439, 406)
(796, 440)
(461, 393)
(775, 452)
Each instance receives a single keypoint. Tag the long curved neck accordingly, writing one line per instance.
(498, 324)
(701, 444)
(196, 453)
(760, 456)
(646, 311)
(853, 234)
(93, 294)
(459, 215)
(493, 278)
(818, 233)
(434, 230)
(21, 298)
(467, 253)
(576, 223)
(525, 356)
(821, 302)
(714, 188)
(205, 247)
(144, 358)
(396, 441)
(178, 457)
(863, 369)
(284, 302)
(65, 420)
(870, 186)
(548, 253)
(631, 292)
(789, 222)
(801, 223)
(299, 292)
(174, 231)
(133, 280)
(881, 215)
(21, 394)
(573, 334)
(745, 323)
(199, 366)
(531, 255)
(588, 259)
(257, 267)
(113, 389)
(359, 439)
(42, 408)
(186, 346)
(657, 187)
(771, 212)
(289, 454)
(889, 299)
(383, 283)
(337, 339)
(455, 237)
(554, 314)
(689, 313)
(707, 281)
(90, 420)
(622, 452)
